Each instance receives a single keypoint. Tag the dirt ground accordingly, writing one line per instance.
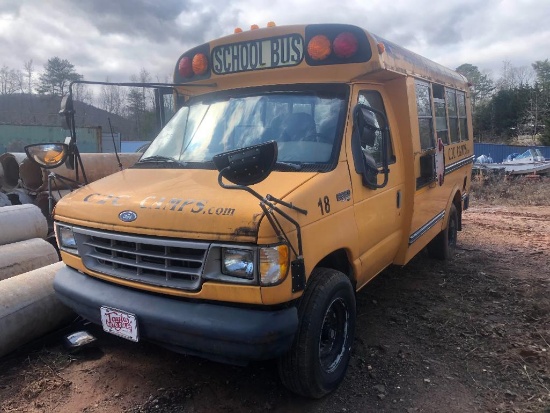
(468, 335)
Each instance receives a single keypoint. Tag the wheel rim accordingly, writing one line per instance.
(333, 337)
(452, 232)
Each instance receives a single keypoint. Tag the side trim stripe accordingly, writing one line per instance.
(457, 165)
(424, 228)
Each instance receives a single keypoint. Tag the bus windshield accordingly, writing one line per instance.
(304, 125)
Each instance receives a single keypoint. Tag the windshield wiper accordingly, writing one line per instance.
(288, 165)
(159, 158)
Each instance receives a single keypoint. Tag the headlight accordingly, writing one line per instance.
(65, 238)
(238, 263)
(273, 264)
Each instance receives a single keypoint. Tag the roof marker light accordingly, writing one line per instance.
(238, 30)
(271, 24)
(254, 27)
(319, 47)
(200, 64)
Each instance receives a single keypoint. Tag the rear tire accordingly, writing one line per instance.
(317, 362)
(443, 245)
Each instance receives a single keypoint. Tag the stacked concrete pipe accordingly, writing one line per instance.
(96, 166)
(16, 169)
(28, 263)
(29, 308)
(9, 169)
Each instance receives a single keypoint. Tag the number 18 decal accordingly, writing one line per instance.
(324, 205)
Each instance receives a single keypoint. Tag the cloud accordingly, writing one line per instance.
(9, 9)
(117, 38)
(152, 19)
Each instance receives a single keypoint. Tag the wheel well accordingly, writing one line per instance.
(338, 260)
(457, 201)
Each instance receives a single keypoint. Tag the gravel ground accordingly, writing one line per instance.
(468, 335)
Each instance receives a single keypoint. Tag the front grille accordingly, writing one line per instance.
(161, 262)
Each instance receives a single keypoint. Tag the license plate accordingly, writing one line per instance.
(119, 323)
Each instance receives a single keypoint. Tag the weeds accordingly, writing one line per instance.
(499, 189)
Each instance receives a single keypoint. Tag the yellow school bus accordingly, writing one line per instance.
(303, 160)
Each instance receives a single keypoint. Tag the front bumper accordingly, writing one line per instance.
(214, 331)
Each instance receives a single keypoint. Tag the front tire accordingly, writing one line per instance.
(443, 245)
(317, 362)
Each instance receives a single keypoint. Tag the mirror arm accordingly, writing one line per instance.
(385, 167)
(242, 187)
(52, 176)
(281, 234)
(287, 204)
(79, 162)
(272, 207)
(68, 112)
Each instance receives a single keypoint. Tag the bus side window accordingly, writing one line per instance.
(373, 99)
(425, 117)
(453, 114)
(461, 98)
(440, 107)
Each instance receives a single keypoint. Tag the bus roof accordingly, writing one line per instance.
(314, 53)
(399, 59)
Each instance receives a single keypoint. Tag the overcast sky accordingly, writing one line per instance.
(117, 38)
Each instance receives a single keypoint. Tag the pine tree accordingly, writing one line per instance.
(58, 74)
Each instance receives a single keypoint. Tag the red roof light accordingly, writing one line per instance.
(345, 45)
(185, 67)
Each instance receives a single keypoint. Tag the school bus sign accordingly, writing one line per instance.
(258, 54)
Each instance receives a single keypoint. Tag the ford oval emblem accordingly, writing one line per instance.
(127, 216)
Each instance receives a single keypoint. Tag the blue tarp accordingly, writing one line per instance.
(500, 152)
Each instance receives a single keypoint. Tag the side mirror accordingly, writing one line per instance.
(47, 155)
(370, 174)
(368, 123)
(247, 166)
(67, 110)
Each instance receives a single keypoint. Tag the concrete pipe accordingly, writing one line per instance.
(9, 163)
(96, 166)
(4, 200)
(22, 222)
(20, 196)
(30, 174)
(29, 308)
(24, 256)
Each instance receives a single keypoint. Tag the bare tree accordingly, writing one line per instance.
(514, 77)
(29, 71)
(112, 99)
(140, 105)
(83, 93)
(147, 94)
(10, 81)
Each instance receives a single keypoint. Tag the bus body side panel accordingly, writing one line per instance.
(432, 201)
(402, 99)
(330, 225)
(378, 212)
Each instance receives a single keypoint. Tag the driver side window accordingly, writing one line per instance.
(373, 99)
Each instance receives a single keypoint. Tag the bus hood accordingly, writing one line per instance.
(179, 203)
